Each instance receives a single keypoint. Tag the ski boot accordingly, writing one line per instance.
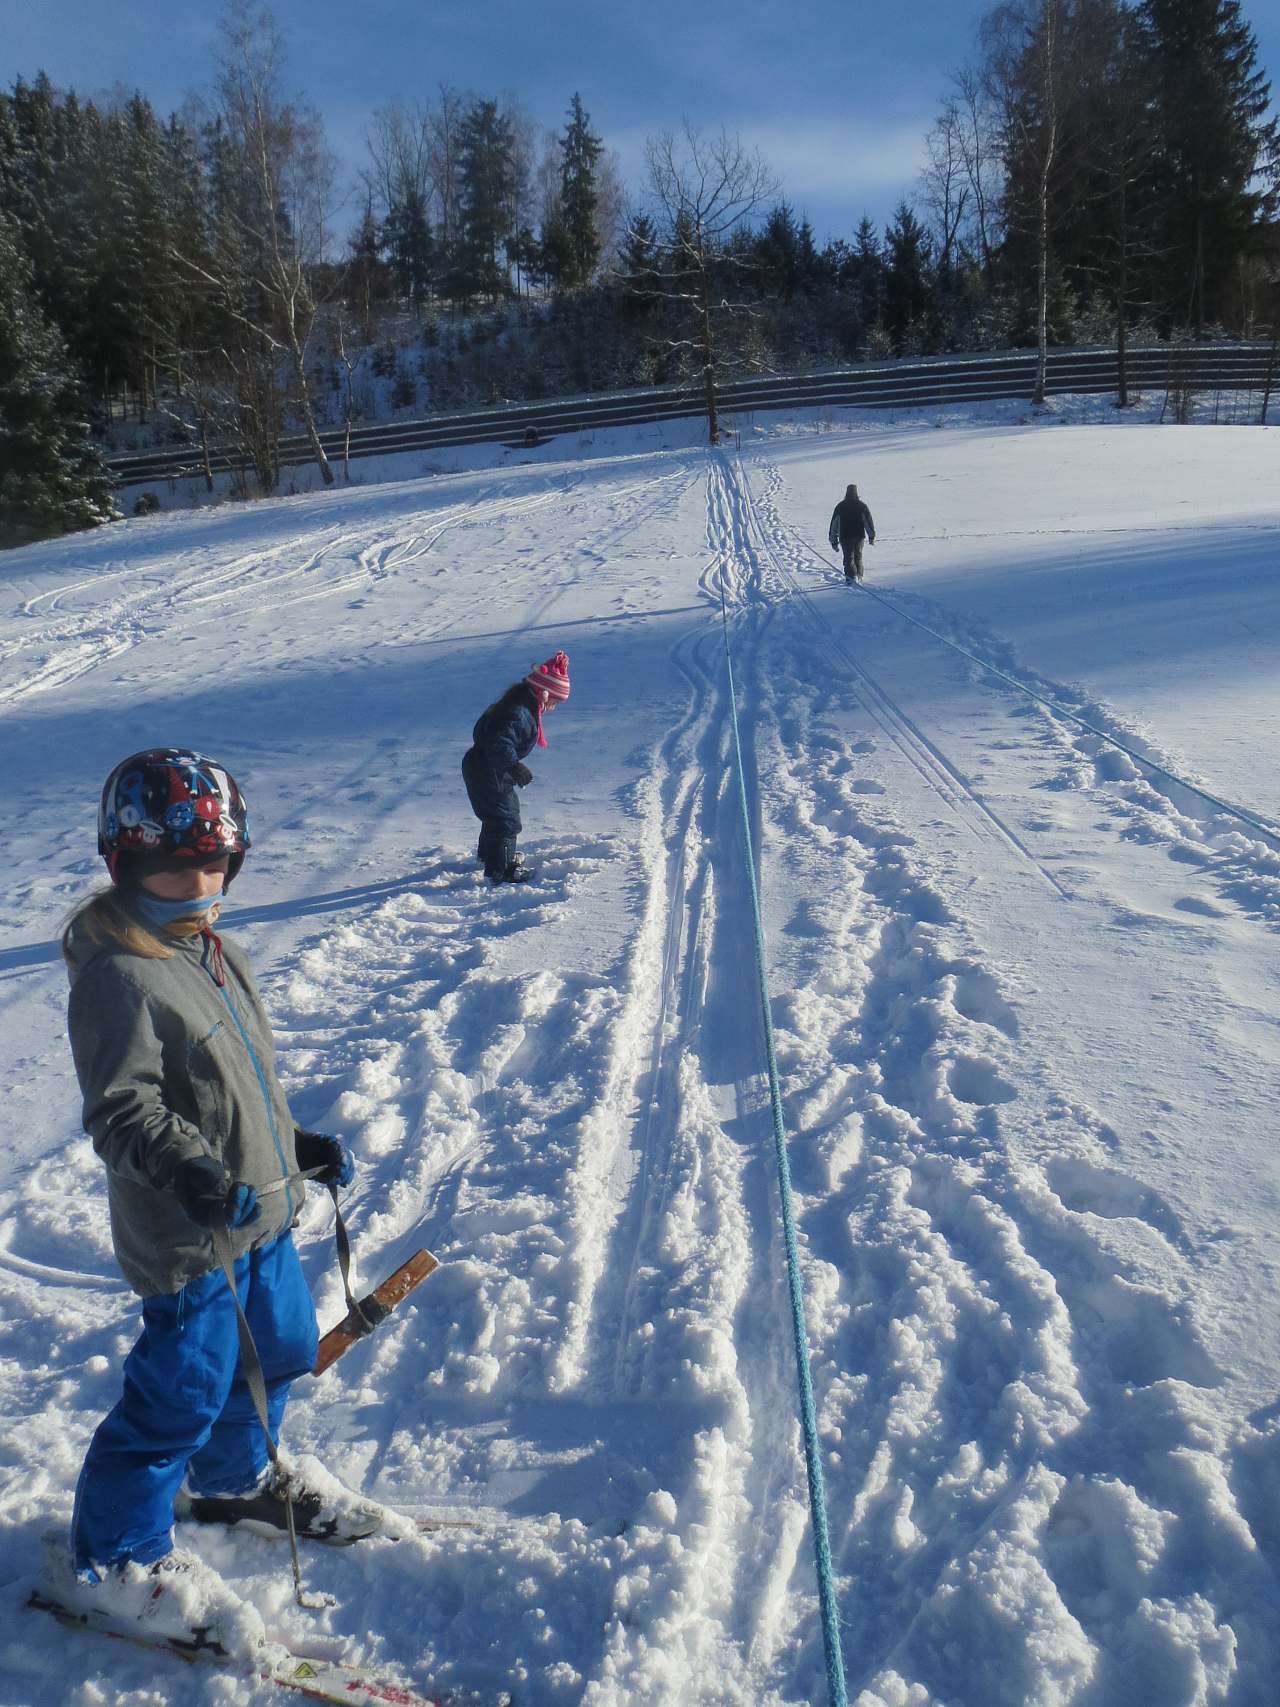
(323, 1510)
(177, 1600)
(514, 871)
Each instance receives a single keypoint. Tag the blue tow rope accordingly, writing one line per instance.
(808, 1419)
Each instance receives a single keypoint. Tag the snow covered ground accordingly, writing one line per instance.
(1026, 1007)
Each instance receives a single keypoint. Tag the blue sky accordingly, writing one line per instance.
(837, 94)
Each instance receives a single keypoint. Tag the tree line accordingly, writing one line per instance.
(1100, 170)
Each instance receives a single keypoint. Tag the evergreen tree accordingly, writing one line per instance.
(866, 275)
(581, 149)
(45, 190)
(555, 261)
(159, 201)
(490, 194)
(907, 282)
(369, 277)
(833, 261)
(809, 268)
(52, 479)
(1122, 177)
(1219, 151)
(135, 286)
(411, 248)
(637, 270)
(776, 247)
(639, 253)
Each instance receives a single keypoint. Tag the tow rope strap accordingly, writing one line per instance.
(251, 1364)
(256, 1382)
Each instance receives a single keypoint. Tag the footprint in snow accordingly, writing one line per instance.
(976, 1081)
(1090, 1190)
(1208, 909)
(977, 997)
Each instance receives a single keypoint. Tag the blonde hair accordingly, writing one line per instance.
(104, 921)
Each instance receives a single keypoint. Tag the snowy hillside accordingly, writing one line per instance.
(1026, 1005)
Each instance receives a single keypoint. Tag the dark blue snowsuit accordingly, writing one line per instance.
(503, 735)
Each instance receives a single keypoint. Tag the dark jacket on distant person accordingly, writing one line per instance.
(851, 520)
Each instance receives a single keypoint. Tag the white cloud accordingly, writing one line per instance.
(843, 158)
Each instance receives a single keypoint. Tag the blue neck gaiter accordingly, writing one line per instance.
(162, 912)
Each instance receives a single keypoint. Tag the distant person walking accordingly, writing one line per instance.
(851, 523)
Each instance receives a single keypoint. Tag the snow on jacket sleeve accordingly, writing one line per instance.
(833, 532)
(119, 1062)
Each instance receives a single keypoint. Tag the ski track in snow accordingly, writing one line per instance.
(1035, 1493)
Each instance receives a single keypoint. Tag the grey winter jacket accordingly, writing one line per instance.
(172, 1065)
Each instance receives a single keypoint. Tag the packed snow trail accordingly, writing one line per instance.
(1025, 1011)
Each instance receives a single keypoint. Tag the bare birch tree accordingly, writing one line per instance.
(1025, 68)
(444, 153)
(272, 216)
(399, 140)
(703, 187)
(611, 199)
(945, 181)
(977, 140)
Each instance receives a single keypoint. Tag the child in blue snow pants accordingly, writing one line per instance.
(175, 1059)
(186, 1409)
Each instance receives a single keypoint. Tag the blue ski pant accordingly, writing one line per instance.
(186, 1409)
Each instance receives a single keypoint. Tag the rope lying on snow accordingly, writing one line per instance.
(808, 1419)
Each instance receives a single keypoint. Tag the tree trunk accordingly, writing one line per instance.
(1042, 305)
(204, 451)
(308, 415)
(1049, 74)
(1271, 359)
(1042, 265)
(708, 357)
(1197, 316)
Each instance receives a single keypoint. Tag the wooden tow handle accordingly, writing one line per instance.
(378, 1304)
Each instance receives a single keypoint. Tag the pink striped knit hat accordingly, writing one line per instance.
(551, 678)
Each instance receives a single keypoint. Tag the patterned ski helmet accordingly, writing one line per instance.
(174, 803)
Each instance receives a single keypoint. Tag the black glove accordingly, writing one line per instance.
(521, 775)
(330, 1155)
(210, 1197)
